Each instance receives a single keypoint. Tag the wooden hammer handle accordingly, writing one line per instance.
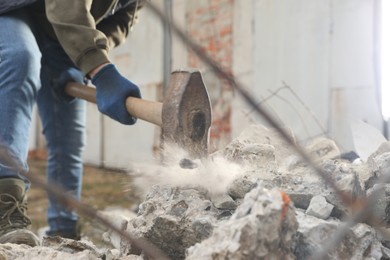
(149, 111)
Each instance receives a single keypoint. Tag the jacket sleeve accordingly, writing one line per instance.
(117, 26)
(75, 28)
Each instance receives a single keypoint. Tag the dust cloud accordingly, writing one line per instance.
(214, 173)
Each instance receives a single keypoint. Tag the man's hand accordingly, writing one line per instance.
(112, 89)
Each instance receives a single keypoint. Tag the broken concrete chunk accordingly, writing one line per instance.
(367, 177)
(381, 202)
(322, 149)
(319, 207)
(55, 249)
(255, 154)
(241, 186)
(71, 246)
(174, 219)
(350, 185)
(292, 162)
(223, 201)
(251, 139)
(360, 242)
(383, 148)
(203, 227)
(300, 200)
(262, 228)
(242, 211)
(381, 165)
(119, 218)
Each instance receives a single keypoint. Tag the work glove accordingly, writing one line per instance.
(112, 90)
(59, 84)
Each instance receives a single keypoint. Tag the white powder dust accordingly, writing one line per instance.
(213, 174)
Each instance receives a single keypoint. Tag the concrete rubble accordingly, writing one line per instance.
(273, 206)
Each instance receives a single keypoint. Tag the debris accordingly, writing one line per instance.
(319, 207)
(254, 199)
(323, 149)
(187, 164)
(262, 227)
(361, 241)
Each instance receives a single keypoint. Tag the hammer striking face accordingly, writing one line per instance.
(186, 113)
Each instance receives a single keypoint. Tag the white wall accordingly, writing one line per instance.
(352, 79)
(324, 51)
(243, 58)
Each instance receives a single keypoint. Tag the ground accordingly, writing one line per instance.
(102, 188)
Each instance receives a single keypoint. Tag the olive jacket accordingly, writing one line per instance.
(87, 29)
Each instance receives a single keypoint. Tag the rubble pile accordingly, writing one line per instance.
(275, 207)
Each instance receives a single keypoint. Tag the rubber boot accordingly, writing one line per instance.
(13, 214)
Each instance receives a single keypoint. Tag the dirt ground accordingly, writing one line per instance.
(102, 188)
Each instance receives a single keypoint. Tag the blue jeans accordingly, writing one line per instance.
(29, 63)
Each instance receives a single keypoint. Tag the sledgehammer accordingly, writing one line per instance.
(184, 115)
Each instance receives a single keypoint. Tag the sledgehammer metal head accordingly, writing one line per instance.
(186, 113)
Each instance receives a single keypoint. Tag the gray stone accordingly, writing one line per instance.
(381, 202)
(349, 184)
(62, 249)
(361, 241)
(71, 246)
(383, 148)
(319, 207)
(381, 165)
(223, 202)
(264, 144)
(323, 149)
(174, 219)
(262, 227)
(367, 177)
(119, 217)
(241, 186)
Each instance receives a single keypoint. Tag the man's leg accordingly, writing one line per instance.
(19, 83)
(64, 129)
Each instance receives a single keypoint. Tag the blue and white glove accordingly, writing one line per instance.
(112, 90)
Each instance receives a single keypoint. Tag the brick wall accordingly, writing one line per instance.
(210, 24)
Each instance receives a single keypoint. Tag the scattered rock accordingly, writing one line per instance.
(261, 228)
(383, 148)
(361, 241)
(323, 149)
(241, 186)
(174, 219)
(259, 142)
(319, 207)
(223, 202)
(56, 249)
(273, 205)
(381, 205)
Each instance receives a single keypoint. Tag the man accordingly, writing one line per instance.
(43, 46)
